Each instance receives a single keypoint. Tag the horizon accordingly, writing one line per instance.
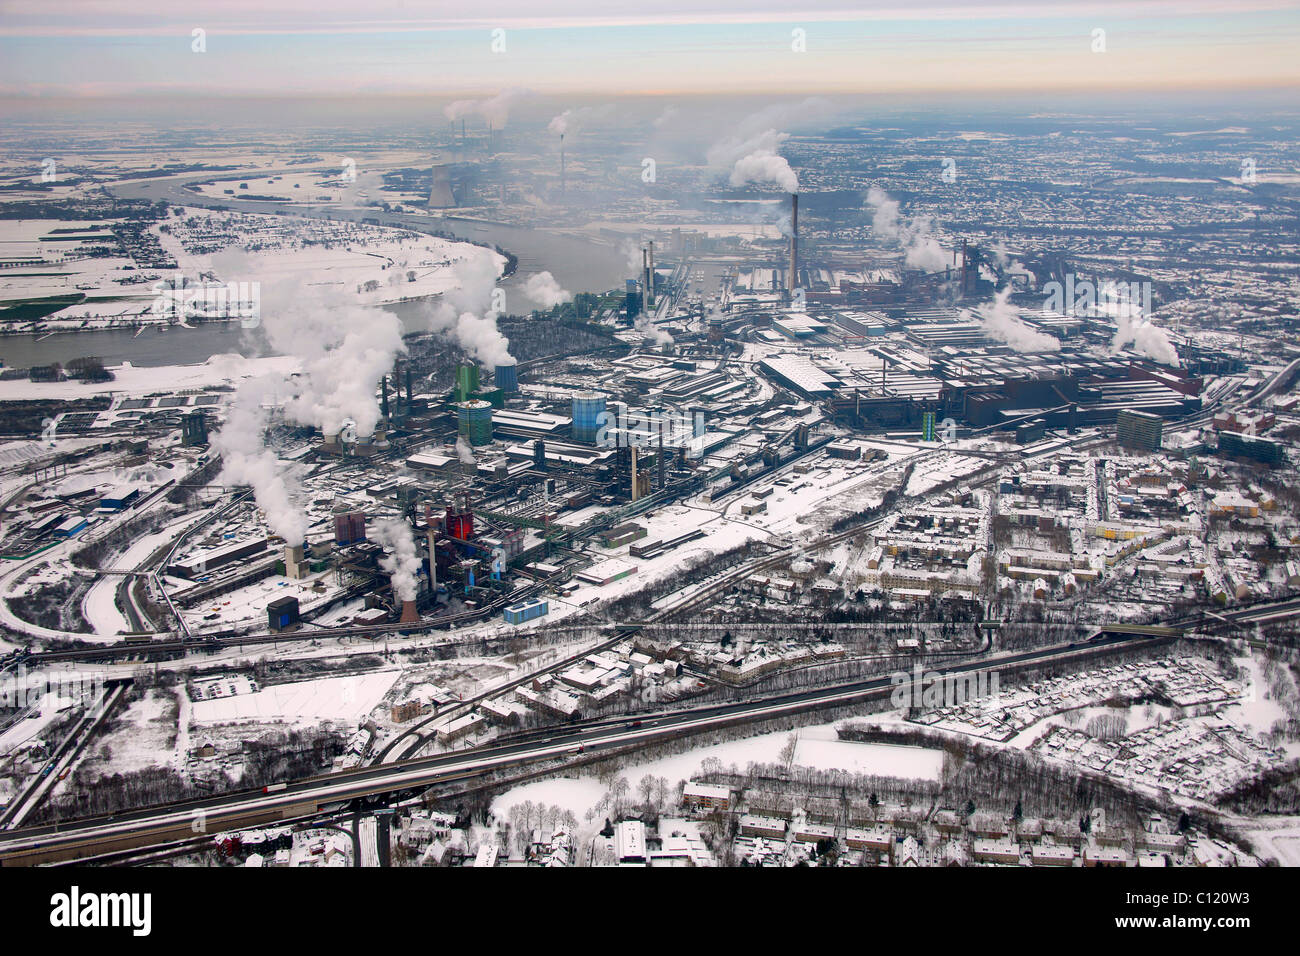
(93, 49)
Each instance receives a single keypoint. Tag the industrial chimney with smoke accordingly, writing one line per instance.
(792, 281)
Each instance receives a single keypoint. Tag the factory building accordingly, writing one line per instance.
(529, 424)
(474, 421)
(526, 611)
(349, 528)
(282, 613)
(120, 497)
(588, 416)
(214, 558)
(194, 429)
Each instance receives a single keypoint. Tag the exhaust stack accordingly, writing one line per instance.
(793, 280)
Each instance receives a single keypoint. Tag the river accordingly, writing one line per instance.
(578, 264)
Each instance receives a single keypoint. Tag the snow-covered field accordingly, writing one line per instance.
(816, 747)
(304, 702)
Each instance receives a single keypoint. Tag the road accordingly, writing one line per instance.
(305, 798)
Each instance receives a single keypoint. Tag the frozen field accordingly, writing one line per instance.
(307, 702)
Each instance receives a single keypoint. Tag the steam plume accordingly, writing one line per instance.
(401, 563)
(1001, 321)
(545, 291)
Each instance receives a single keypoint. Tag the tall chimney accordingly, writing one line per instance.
(635, 494)
(650, 275)
(793, 280)
(645, 281)
(433, 559)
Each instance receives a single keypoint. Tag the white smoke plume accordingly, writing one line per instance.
(467, 313)
(1001, 321)
(245, 459)
(765, 167)
(1146, 339)
(920, 249)
(571, 120)
(654, 335)
(402, 563)
(494, 110)
(545, 291)
(465, 451)
(667, 117)
(629, 249)
(754, 159)
(345, 350)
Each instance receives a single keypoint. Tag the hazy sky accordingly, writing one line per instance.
(131, 47)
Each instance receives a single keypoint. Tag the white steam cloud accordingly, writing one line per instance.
(343, 351)
(1146, 339)
(1001, 321)
(464, 451)
(468, 313)
(245, 459)
(571, 120)
(920, 249)
(754, 159)
(545, 291)
(495, 110)
(401, 562)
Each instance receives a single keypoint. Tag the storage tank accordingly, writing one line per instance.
(588, 407)
(507, 377)
(475, 421)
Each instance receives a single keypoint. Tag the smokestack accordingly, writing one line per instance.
(650, 275)
(660, 462)
(383, 394)
(408, 386)
(794, 243)
(433, 559)
(409, 614)
(645, 281)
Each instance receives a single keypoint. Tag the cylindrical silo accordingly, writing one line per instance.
(507, 377)
(588, 407)
(475, 421)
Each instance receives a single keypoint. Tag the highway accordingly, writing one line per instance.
(304, 798)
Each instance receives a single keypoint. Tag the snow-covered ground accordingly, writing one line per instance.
(345, 699)
(816, 747)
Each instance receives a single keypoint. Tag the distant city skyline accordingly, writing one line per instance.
(90, 48)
